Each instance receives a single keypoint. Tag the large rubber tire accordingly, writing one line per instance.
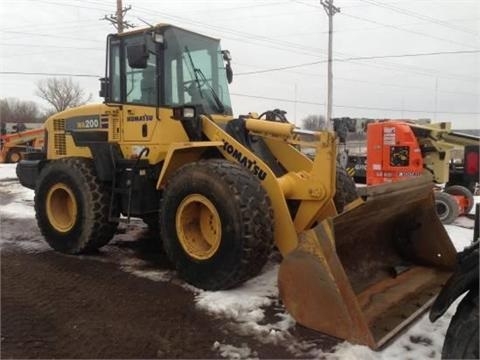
(446, 207)
(346, 191)
(461, 341)
(244, 217)
(462, 191)
(72, 206)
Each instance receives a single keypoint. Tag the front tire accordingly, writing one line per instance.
(345, 191)
(216, 223)
(446, 207)
(461, 341)
(72, 206)
(462, 191)
(14, 156)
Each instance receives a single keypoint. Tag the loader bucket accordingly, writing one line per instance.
(366, 274)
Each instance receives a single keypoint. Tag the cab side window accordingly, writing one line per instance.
(115, 72)
(141, 85)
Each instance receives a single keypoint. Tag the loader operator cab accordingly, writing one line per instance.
(166, 66)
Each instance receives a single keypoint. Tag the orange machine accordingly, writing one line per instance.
(393, 152)
(13, 146)
(399, 149)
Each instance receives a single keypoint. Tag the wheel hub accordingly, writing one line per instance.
(15, 157)
(61, 207)
(198, 226)
(442, 210)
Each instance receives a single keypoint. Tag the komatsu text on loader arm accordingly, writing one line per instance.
(222, 191)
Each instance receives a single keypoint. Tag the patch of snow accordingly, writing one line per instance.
(19, 200)
(233, 352)
(244, 301)
(8, 171)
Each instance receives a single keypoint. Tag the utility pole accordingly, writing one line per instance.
(436, 99)
(118, 19)
(119, 16)
(330, 10)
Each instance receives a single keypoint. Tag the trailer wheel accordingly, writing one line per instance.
(461, 341)
(446, 207)
(72, 206)
(462, 191)
(14, 156)
(346, 190)
(216, 224)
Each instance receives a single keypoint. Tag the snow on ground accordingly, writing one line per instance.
(244, 305)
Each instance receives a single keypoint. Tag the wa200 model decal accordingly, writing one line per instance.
(244, 161)
(83, 123)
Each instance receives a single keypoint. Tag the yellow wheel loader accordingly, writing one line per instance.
(223, 191)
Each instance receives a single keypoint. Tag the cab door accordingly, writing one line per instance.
(141, 99)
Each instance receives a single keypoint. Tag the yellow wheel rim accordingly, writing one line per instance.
(198, 226)
(61, 207)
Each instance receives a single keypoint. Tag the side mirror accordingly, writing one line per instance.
(137, 56)
(103, 88)
(229, 72)
(228, 68)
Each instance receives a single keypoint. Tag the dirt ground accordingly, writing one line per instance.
(60, 306)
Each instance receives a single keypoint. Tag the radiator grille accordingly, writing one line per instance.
(115, 130)
(59, 125)
(60, 144)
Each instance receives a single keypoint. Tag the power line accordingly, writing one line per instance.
(254, 96)
(420, 16)
(72, 5)
(46, 35)
(407, 30)
(353, 106)
(47, 74)
(300, 49)
(283, 46)
(359, 58)
(50, 26)
(396, 85)
(391, 26)
(53, 46)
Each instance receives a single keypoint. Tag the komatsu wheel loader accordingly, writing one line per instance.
(222, 191)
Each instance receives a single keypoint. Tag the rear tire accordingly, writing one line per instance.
(446, 207)
(461, 341)
(72, 206)
(346, 191)
(14, 156)
(462, 191)
(216, 224)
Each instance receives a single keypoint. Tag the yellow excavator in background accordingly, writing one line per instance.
(223, 191)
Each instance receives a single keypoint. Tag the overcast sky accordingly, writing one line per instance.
(67, 36)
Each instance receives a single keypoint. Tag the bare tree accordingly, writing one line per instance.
(61, 93)
(314, 122)
(18, 111)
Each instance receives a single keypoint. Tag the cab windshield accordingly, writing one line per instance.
(194, 72)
